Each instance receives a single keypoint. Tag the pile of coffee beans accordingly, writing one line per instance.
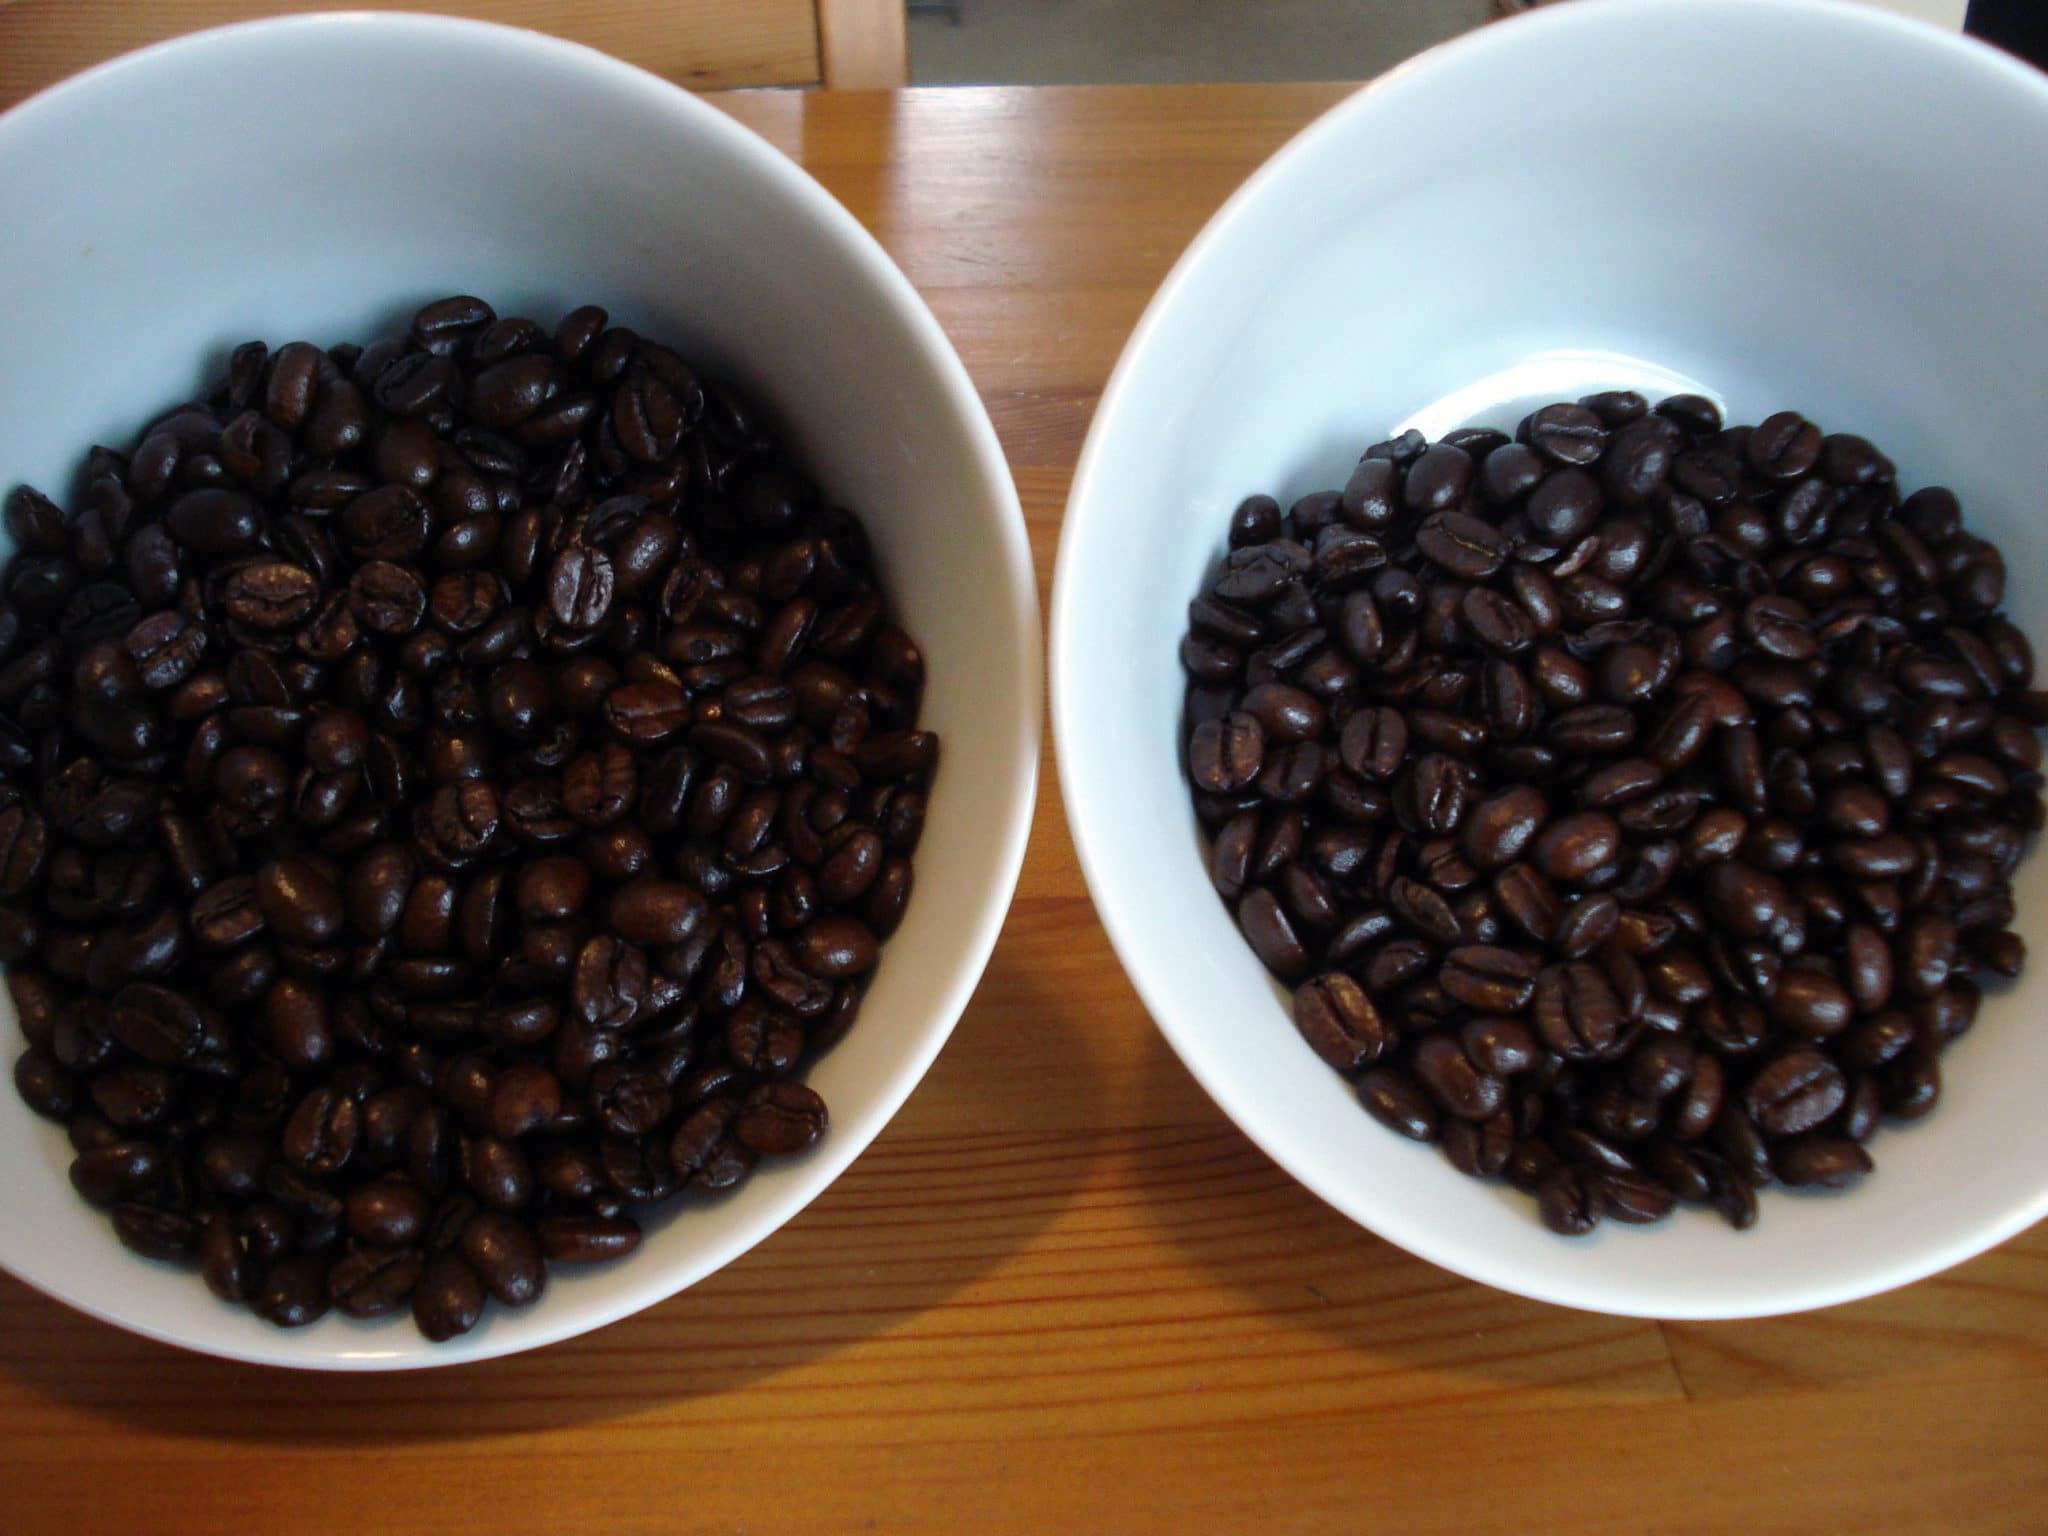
(1628, 802)
(449, 789)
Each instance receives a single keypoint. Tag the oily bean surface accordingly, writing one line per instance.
(450, 789)
(1632, 806)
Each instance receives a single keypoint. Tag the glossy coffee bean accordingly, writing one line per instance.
(1340, 1022)
(410, 817)
(448, 1299)
(1634, 824)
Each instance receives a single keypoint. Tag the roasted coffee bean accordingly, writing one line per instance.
(1795, 1092)
(1727, 793)
(401, 802)
(1567, 1201)
(505, 1257)
(1784, 447)
(293, 1291)
(1479, 1150)
(1633, 1198)
(1374, 743)
(779, 1118)
(1397, 1101)
(390, 1212)
(1566, 434)
(1271, 934)
(1576, 1010)
(1225, 756)
(1488, 979)
(587, 1239)
(1529, 900)
(1830, 1161)
(1810, 1003)
(299, 902)
(1339, 1021)
(215, 521)
(119, 1170)
(524, 1097)
(1500, 827)
(1565, 507)
(320, 1136)
(1590, 923)
(1462, 545)
(1501, 1046)
(656, 912)
(370, 1282)
(1574, 846)
(835, 948)
(448, 1299)
(1749, 901)
(1450, 1077)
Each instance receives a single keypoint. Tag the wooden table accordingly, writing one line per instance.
(1061, 1293)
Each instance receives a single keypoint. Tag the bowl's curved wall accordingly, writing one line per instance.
(1802, 204)
(320, 177)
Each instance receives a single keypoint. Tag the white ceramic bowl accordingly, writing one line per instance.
(320, 177)
(1783, 204)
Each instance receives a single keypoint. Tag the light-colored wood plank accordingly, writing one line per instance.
(862, 44)
(1061, 1292)
(704, 44)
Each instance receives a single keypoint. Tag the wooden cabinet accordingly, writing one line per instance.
(707, 45)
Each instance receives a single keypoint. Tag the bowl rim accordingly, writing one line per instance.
(1996, 69)
(593, 70)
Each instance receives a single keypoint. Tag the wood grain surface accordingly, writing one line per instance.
(705, 44)
(863, 44)
(1061, 1293)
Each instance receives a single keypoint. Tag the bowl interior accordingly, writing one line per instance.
(322, 177)
(1786, 204)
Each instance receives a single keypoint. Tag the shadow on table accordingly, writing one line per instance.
(849, 1268)
(1419, 1335)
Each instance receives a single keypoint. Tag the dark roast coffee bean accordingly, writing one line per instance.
(373, 1281)
(1488, 979)
(1795, 1092)
(1810, 1003)
(1225, 756)
(1567, 434)
(1462, 545)
(215, 521)
(1338, 1020)
(1824, 1160)
(401, 803)
(1784, 446)
(293, 1292)
(1450, 1078)
(1271, 934)
(505, 1256)
(1575, 846)
(117, 1171)
(1567, 1201)
(299, 902)
(1576, 1011)
(448, 1299)
(1564, 507)
(1633, 1198)
(587, 1239)
(779, 1118)
(389, 1212)
(1437, 479)
(1500, 827)
(1398, 1102)
(656, 912)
